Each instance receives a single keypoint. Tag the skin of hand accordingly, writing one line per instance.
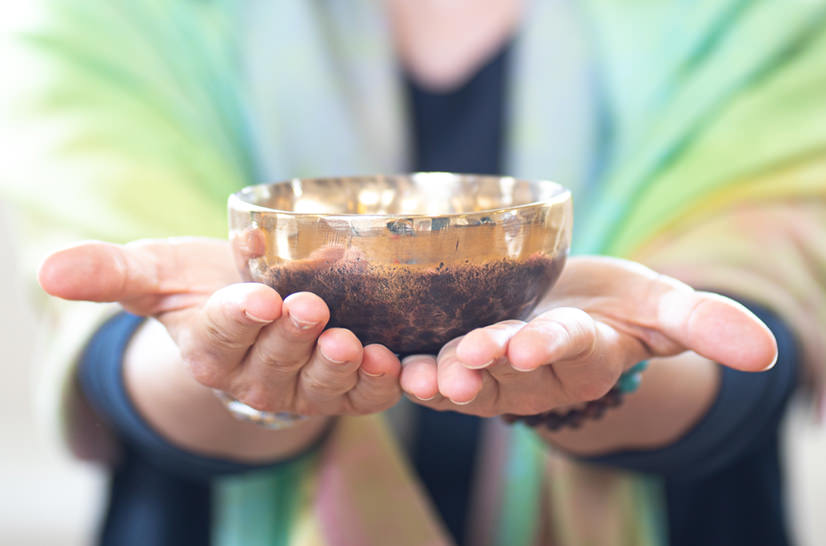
(602, 316)
(237, 337)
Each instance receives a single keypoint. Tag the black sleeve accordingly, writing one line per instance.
(746, 412)
(101, 380)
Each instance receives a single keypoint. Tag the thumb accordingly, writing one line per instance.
(97, 271)
(717, 328)
(147, 277)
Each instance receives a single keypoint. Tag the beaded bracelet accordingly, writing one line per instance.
(552, 420)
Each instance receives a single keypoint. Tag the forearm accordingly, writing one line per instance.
(675, 393)
(189, 415)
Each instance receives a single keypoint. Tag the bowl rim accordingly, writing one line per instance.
(236, 203)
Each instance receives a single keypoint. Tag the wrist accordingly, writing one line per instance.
(575, 416)
(190, 416)
(675, 393)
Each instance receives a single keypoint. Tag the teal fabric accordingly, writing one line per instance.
(259, 508)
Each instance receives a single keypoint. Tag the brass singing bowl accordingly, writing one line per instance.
(408, 261)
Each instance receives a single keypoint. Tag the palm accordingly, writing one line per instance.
(603, 316)
(240, 338)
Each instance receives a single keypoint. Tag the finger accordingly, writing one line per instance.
(271, 367)
(481, 347)
(670, 317)
(560, 334)
(333, 369)
(586, 357)
(142, 275)
(215, 342)
(456, 382)
(717, 328)
(118, 274)
(419, 377)
(288, 343)
(378, 383)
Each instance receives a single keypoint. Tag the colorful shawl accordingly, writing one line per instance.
(692, 134)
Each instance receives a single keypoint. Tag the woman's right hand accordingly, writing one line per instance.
(240, 338)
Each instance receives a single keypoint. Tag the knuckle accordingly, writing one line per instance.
(328, 387)
(222, 338)
(281, 364)
(579, 330)
(586, 339)
(275, 354)
(374, 401)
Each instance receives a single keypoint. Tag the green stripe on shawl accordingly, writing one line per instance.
(520, 508)
(142, 146)
(765, 72)
(273, 499)
(788, 99)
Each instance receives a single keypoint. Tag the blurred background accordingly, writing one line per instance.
(46, 498)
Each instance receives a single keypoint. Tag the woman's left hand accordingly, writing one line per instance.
(603, 316)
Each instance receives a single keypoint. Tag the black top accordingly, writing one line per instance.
(457, 131)
(722, 478)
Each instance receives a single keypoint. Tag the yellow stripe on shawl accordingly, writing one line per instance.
(783, 184)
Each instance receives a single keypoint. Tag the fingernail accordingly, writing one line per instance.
(302, 324)
(462, 403)
(479, 367)
(255, 319)
(368, 374)
(424, 399)
(770, 366)
(332, 360)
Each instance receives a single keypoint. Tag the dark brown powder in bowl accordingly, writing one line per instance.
(417, 310)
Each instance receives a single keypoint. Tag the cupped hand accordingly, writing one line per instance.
(240, 338)
(603, 316)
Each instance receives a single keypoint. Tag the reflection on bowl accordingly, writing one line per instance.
(408, 261)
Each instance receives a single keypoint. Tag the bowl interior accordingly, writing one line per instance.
(418, 194)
